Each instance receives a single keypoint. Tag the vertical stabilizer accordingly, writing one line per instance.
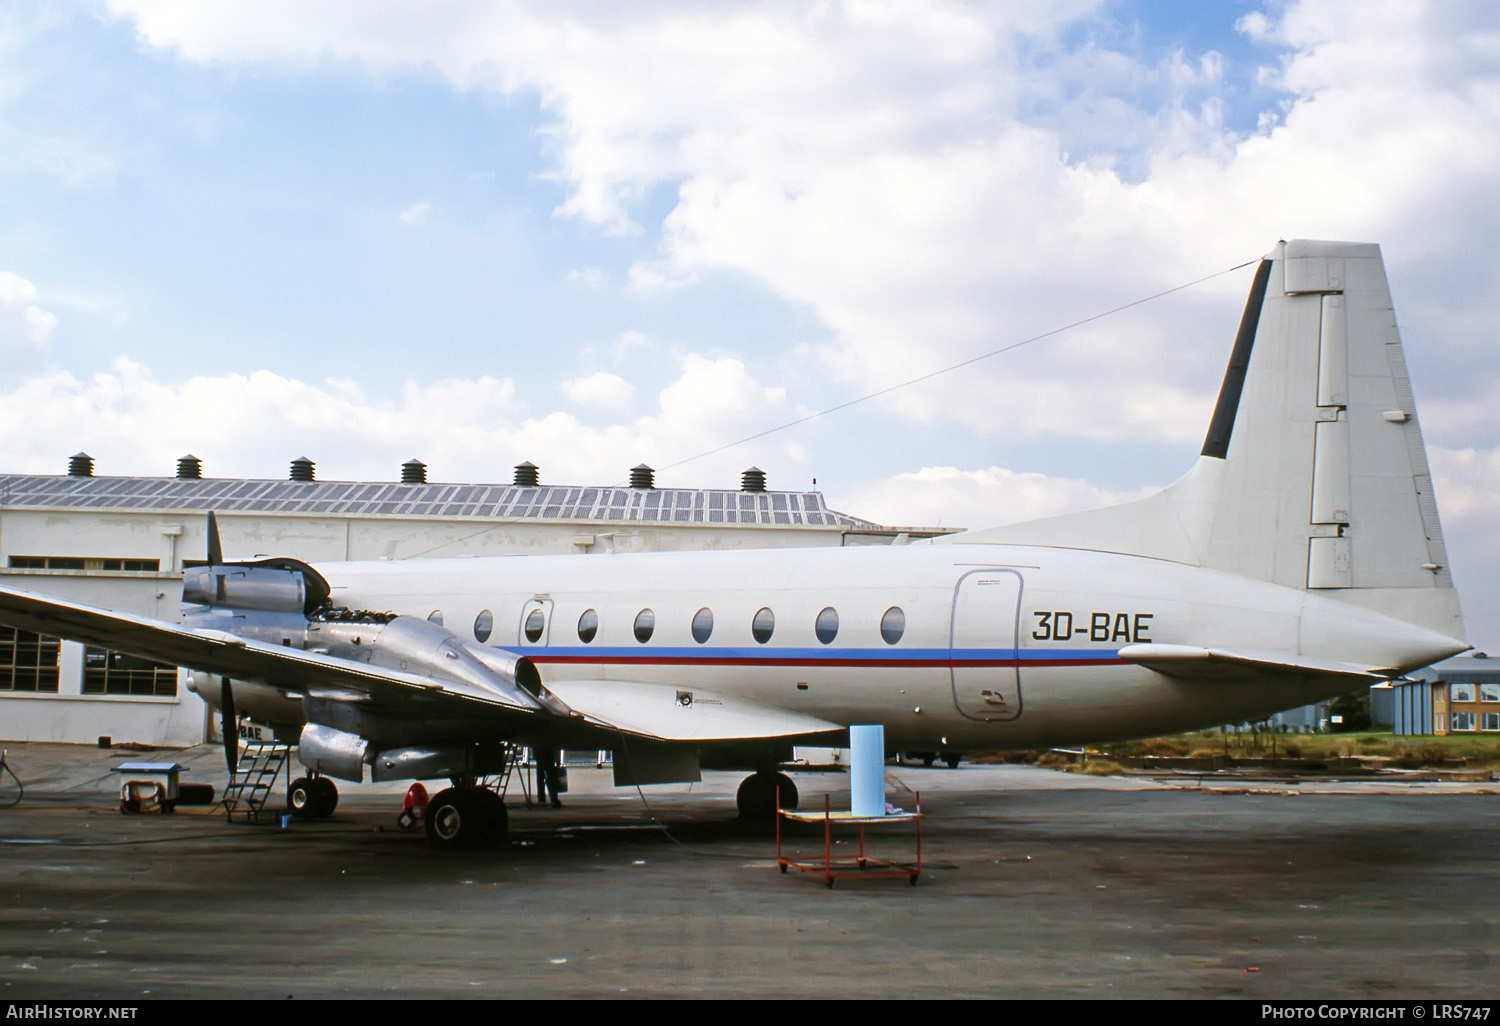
(1313, 474)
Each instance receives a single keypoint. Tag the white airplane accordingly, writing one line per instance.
(1299, 558)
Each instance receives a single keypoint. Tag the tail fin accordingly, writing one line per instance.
(1313, 474)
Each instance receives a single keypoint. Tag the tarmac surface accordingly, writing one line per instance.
(1035, 884)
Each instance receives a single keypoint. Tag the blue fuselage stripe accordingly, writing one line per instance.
(768, 656)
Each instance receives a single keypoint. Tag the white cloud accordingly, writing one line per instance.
(416, 213)
(951, 497)
(908, 172)
(630, 342)
(1467, 484)
(600, 390)
(463, 429)
(22, 322)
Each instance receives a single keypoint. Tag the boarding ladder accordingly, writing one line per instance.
(254, 778)
(500, 783)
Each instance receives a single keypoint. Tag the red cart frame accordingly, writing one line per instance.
(863, 865)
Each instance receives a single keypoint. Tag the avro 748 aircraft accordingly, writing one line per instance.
(1299, 558)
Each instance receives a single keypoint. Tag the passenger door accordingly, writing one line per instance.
(983, 645)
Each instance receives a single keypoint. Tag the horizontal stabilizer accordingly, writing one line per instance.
(1189, 662)
(668, 713)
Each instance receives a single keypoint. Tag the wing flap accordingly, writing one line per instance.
(1190, 662)
(662, 712)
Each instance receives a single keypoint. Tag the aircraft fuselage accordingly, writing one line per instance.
(949, 646)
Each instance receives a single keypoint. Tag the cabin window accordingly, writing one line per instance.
(484, 623)
(645, 625)
(588, 626)
(436, 616)
(763, 624)
(827, 625)
(893, 625)
(535, 621)
(703, 624)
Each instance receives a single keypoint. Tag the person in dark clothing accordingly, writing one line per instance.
(546, 775)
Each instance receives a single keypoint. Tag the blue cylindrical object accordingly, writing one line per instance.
(867, 770)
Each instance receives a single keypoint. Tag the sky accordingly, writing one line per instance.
(592, 235)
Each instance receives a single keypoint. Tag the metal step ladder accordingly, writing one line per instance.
(500, 783)
(254, 779)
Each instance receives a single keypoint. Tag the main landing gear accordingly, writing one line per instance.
(312, 797)
(757, 796)
(466, 818)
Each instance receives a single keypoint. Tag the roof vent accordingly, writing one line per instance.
(414, 471)
(753, 480)
(302, 470)
(80, 464)
(189, 468)
(527, 475)
(642, 476)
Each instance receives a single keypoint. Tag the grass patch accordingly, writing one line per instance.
(1096, 767)
(1451, 751)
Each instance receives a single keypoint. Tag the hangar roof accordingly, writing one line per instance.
(355, 498)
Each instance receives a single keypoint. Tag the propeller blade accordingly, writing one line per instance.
(215, 550)
(229, 725)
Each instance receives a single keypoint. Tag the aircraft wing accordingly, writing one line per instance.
(666, 713)
(231, 655)
(651, 711)
(1189, 662)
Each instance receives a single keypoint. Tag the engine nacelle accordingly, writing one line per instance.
(335, 752)
(261, 588)
(413, 645)
(433, 762)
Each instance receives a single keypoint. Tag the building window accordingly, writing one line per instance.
(484, 623)
(893, 625)
(703, 625)
(762, 626)
(1489, 692)
(150, 566)
(1489, 721)
(588, 626)
(132, 565)
(1461, 693)
(28, 662)
(1462, 721)
(645, 625)
(827, 625)
(115, 673)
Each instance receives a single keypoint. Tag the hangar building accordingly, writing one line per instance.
(120, 542)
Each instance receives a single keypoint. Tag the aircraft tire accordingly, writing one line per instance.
(301, 801)
(495, 820)
(325, 797)
(466, 819)
(195, 794)
(756, 797)
(953, 761)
